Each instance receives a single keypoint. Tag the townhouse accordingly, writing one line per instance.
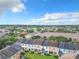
(30, 45)
(38, 45)
(24, 44)
(66, 48)
(12, 52)
(45, 48)
(53, 47)
(50, 47)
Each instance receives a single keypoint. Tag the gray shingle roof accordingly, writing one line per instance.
(2, 56)
(38, 42)
(26, 41)
(9, 51)
(30, 42)
(70, 46)
(45, 43)
(53, 43)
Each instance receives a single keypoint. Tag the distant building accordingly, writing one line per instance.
(23, 34)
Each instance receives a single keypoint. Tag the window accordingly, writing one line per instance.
(74, 51)
(69, 50)
(38, 46)
(55, 53)
(14, 56)
(46, 47)
(64, 50)
(46, 51)
(32, 49)
(53, 48)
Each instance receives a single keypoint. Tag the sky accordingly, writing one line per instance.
(39, 12)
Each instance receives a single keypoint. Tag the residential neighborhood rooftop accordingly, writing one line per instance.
(70, 46)
(53, 43)
(9, 51)
(45, 43)
(38, 42)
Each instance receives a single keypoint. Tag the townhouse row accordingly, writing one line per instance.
(40, 46)
(49, 46)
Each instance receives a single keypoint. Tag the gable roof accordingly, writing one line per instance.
(45, 43)
(9, 51)
(77, 46)
(38, 42)
(53, 43)
(2, 56)
(30, 41)
(69, 46)
(24, 33)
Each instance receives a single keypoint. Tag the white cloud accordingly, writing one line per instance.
(54, 16)
(18, 8)
(12, 5)
(58, 18)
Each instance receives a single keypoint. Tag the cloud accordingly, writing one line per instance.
(58, 18)
(12, 5)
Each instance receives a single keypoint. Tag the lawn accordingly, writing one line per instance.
(29, 55)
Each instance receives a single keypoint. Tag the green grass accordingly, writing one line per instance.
(29, 55)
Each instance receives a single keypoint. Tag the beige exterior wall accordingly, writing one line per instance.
(38, 48)
(16, 56)
(35, 47)
(24, 46)
(54, 49)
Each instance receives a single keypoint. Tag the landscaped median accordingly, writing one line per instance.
(33, 55)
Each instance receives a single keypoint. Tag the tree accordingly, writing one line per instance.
(30, 31)
(36, 37)
(60, 38)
